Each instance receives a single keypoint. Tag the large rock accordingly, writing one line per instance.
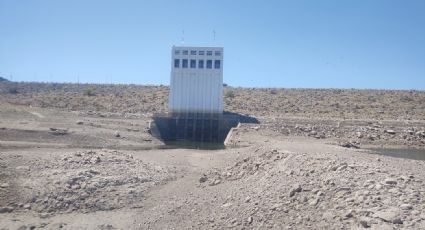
(6, 209)
(392, 215)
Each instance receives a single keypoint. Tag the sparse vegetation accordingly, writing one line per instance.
(13, 90)
(90, 91)
(371, 98)
(230, 94)
(341, 103)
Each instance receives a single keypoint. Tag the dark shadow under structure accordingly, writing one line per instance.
(196, 127)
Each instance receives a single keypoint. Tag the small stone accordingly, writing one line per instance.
(4, 185)
(397, 221)
(215, 182)
(117, 134)
(79, 122)
(75, 186)
(350, 145)
(247, 199)
(360, 199)
(342, 167)
(295, 188)
(22, 227)
(226, 205)
(203, 178)
(314, 202)
(349, 214)
(406, 206)
(62, 225)
(22, 168)
(370, 182)
(364, 224)
(275, 207)
(390, 181)
(389, 215)
(390, 131)
(95, 160)
(250, 220)
(420, 133)
(27, 206)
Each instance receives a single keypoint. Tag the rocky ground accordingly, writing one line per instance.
(283, 185)
(81, 157)
(88, 180)
(261, 102)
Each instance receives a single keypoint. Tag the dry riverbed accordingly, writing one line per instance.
(98, 169)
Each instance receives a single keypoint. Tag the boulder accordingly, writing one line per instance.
(390, 131)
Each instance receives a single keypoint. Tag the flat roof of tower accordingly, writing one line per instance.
(202, 47)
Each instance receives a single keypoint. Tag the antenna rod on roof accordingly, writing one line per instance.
(182, 37)
(214, 37)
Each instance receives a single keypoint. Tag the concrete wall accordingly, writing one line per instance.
(195, 89)
(198, 128)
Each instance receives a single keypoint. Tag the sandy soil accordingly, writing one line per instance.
(97, 169)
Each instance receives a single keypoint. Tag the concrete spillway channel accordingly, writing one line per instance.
(193, 127)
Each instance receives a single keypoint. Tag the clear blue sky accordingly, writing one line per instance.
(309, 44)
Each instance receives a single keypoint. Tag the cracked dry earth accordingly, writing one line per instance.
(91, 178)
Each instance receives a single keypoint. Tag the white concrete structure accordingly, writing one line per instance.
(196, 80)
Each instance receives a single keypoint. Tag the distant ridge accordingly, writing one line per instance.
(2, 79)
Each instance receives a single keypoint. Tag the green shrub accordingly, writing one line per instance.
(91, 91)
(230, 94)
